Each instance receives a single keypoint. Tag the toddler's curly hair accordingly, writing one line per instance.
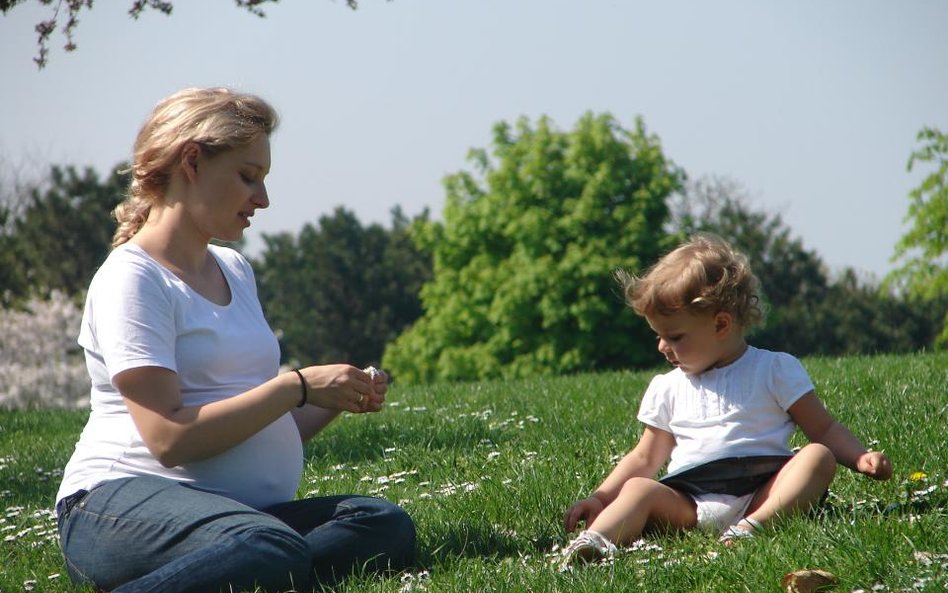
(704, 274)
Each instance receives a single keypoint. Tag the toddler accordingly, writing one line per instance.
(721, 418)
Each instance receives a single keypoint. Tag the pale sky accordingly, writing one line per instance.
(812, 106)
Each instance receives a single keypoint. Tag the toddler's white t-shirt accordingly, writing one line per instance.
(140, 314)
(735, 411)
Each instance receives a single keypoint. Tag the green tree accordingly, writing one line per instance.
(808, 312)
(857, 317)
(523, 260)
(13, 197)
(13, 282)
(793, 278)
(340, 291)
(58, 233)
(46, 28)
(923, 251)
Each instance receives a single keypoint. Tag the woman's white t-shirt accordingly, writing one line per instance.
(734, 411)
(139, 314)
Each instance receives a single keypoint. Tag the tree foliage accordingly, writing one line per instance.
(73, 8)
(857, 317)
(56, 235)
(808, 313)
(793, 279)
(339, 291)
(923, 250)
(523, 260)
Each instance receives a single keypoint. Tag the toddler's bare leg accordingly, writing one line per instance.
(643, 503)
(797, 486)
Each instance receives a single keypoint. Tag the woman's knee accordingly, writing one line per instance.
(393, 520)
(392, 526)
(275, 545)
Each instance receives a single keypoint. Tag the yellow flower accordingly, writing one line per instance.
(917, 476)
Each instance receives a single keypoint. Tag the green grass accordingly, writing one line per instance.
(487, 470)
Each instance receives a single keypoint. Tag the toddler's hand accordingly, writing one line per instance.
(585, 510)
(875, 465)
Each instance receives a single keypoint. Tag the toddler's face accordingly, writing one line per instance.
(694, 342)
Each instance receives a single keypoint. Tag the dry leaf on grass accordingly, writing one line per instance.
(808, 581)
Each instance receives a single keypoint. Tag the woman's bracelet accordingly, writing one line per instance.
(303, 385)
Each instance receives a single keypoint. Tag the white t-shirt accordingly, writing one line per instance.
(734, 411)
(139, 314)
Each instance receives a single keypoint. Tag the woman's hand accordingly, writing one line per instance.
(342, 387)
(875, 465)
(379, 382)
(585, 510)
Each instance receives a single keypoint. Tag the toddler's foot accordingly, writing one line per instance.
(743, 529)
(589, 546)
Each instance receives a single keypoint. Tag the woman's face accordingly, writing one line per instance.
(228, 188)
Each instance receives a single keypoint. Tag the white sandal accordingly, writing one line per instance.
(589, 546)
(743, 529)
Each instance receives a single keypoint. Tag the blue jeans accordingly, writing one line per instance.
(152, 534)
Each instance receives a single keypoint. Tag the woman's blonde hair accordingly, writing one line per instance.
(217, 119)
(704, 274)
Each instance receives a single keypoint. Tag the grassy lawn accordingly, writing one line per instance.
(487, 470)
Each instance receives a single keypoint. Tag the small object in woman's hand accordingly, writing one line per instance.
(373, 372)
